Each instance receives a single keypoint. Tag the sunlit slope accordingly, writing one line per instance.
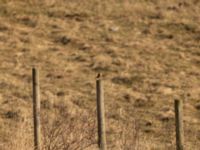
(147, 50)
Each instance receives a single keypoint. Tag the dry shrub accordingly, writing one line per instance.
(69, 133)
(23, 137)
(77, 132)
(129, 136)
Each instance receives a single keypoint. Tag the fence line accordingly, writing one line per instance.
(36, 109)
(178, 106)
(100, 113)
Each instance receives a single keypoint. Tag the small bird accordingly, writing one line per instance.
(98, 76)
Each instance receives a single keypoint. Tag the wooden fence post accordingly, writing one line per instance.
(179, 124)
(36, 108)
(100, 114)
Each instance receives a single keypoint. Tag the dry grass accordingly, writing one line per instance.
(148, 51)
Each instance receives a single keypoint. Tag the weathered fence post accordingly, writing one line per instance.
(179, 124)
(100, 113)
(36, 108)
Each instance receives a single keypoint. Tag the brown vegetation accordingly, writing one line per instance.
(147, 50)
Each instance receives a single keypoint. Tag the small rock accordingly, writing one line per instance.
(114, 29)
(86, 46)
(63, 40)
(166, 116)
(149, 123)
(127, 97)
(165, 91)
(140, 102)
(59, 76)
(61, 93)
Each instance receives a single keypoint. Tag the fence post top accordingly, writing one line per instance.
(178, 100)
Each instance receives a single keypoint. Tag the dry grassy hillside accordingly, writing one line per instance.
(147, 50)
